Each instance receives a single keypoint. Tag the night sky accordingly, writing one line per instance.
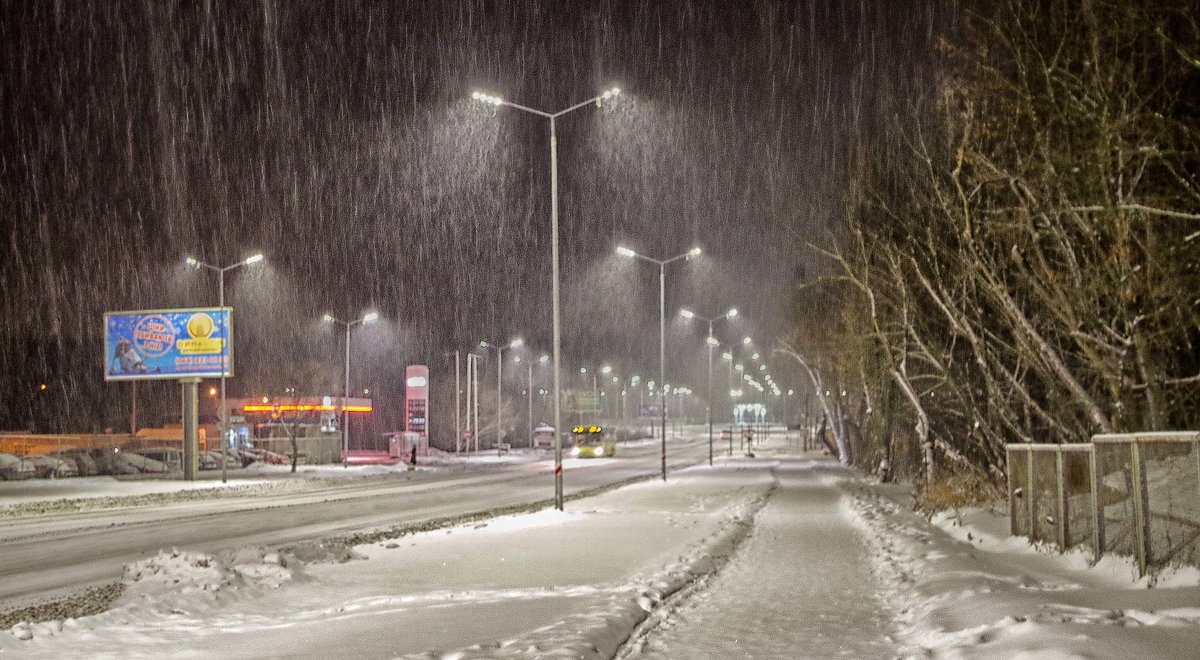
(340, 140)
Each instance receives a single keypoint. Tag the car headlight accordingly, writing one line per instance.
(575, 451)
(598, 451)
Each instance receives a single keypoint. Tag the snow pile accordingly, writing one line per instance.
(968, 589)
(180, 572)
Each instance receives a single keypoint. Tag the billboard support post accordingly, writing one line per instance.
(191, 428)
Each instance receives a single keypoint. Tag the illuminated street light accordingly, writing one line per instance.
(662, 329)
(712, 342)
(199, 265)
(499, 381)
(554, 293)
(367, 318)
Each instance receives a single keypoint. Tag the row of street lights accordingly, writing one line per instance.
(223, 421)
(662, 332)
(712, 342)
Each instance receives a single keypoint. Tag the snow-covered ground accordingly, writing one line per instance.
(779, 556)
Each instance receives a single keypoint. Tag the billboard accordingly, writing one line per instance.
(581, 401)
(168, 343)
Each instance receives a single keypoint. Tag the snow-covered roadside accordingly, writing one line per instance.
(533, 585)
(970, 590)
(36, 497)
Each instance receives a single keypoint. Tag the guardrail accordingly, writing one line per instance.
(1136, 494)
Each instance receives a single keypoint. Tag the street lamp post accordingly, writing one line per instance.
(499, 379)
(553, 116)
(712, 342)
(329, 318)
(543, 360)
(662, 333)
(223, 417)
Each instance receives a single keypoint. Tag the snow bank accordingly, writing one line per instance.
(967, 589)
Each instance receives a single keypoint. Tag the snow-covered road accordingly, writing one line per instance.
(782, 556)
(58, 553)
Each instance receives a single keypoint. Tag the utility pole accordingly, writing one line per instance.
(457, 404)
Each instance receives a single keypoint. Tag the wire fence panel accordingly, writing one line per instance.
(1045, 497)
(1077, 496)
(1114, 497)
(1173, 501)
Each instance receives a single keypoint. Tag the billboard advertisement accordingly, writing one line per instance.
(581, 401)
(168, 343)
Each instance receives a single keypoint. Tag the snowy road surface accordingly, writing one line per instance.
(52, 555)
(782, 556)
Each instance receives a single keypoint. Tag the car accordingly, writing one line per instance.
(13, 468)
(591, 443)
(171, 457)
(52, 467)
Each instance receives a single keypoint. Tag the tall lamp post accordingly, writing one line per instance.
(662, 333)
(542, 360)
(553, 116)
(499, 377)
(199, 265)
(329, 318)
(712, 343)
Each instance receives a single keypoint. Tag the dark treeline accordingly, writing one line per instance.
(1020, 259)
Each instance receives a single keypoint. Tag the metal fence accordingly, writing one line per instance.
(1134, 494)
(1050, 493)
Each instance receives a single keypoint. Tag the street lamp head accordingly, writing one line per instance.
(253, 259)
(516, 343)
(609, 93)
(712, 341)
(754, 357)
(731, 313)
(687, 313)
(625, 252)
(483, 343)
(693, 253)
(328, 318)
(747, 341)
(192, 261)
(727, 356)
(487, 98)
(544, 359)
(370, 317)
(606, 370)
